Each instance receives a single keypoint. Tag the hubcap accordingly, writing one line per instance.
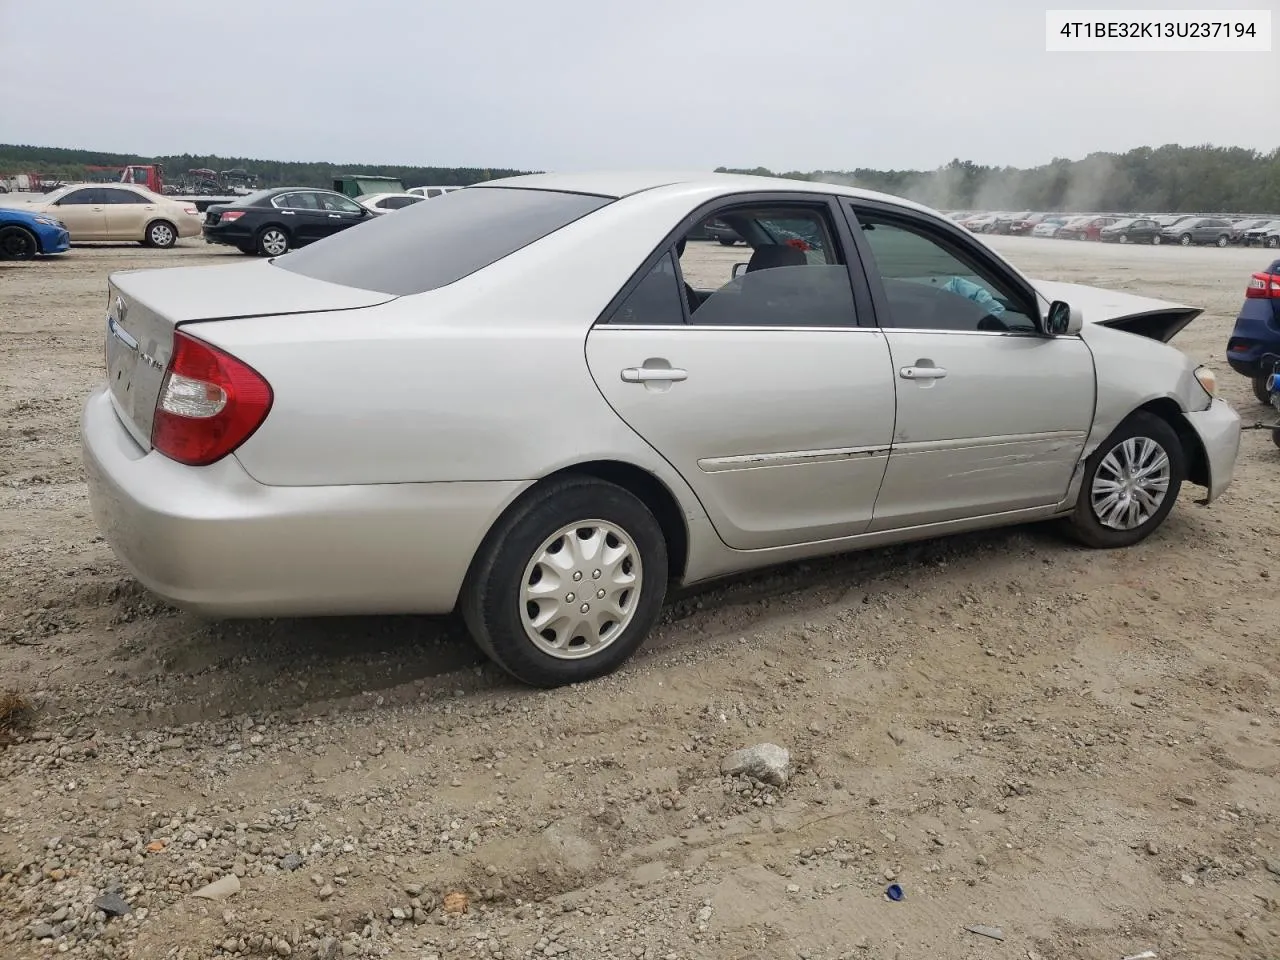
(581, 589)
(1130, 484)
(161, 235)
(275, 243)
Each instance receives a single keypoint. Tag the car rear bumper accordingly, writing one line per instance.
(215, 541)
(1219, 431)
(230, 233)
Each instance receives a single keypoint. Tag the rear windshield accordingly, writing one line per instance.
(429, 245)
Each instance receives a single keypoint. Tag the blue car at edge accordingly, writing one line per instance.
(1254, 347)
(24, 236)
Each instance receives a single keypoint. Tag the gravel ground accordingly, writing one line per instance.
(1076, 751)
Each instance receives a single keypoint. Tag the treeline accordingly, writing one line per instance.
(63, 164)
(1167, 179)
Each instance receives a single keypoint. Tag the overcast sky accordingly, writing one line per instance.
(577, 84)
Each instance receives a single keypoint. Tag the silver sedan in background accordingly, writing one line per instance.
(530, 402)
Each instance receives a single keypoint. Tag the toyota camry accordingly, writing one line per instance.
(532, 403)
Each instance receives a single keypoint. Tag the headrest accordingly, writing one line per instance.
(778, 255)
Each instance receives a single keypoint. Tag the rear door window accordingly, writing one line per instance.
(430, 245)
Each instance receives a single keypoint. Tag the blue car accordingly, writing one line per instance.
(1254, 347)
(26, 235)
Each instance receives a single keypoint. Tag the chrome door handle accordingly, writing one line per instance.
(922, 373)
(653, 374)
(335, 216)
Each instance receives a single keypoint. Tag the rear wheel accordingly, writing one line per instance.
(1155, 240)
(1260, 389)
(1130, 484)
(18, 243)
(273, 242)
(725, 242)
(568, 585)
(162, 234)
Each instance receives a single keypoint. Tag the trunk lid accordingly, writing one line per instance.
(1157, 319)
(145, 307)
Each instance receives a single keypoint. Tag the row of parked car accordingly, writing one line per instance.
(1186, 230)
(268, 222)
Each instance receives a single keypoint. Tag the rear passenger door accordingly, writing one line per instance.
(302, 213)
(127, 213)
(769, 392)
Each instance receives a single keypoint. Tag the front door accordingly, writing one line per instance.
(340, 212)
(127, 213)
(992, 414)
(763, 391)
(84, 213)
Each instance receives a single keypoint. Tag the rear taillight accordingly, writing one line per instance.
(230, 216)
(1263, 286)
(191, 211)
(209, 403)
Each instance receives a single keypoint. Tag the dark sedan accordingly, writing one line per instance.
(1197, 231)
(1130, 230)
(721, 231)
(272, 222)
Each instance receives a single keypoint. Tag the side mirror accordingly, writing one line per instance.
(1063, 320)
(738, 270)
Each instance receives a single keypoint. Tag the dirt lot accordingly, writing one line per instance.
(1079, 748)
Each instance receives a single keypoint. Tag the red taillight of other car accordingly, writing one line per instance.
(230, 216)
(1263, 286)
(209, 403)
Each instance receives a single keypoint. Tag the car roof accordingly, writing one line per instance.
(625, 183)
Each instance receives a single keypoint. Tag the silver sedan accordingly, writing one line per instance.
(539, 403)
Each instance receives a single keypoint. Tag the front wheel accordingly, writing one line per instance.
(568, 585)
(1155, 241)
(18, 243)
(1185, 240)
(1130, 484)
(1222, 241)
(1273, 242)
(161, 234)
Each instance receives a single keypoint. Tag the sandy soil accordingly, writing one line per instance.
(1078, 748)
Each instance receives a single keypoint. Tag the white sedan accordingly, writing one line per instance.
(534, 403)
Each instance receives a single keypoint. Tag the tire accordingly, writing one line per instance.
(1143, 430)
(247, 248)
(160, 234)
(1185, 239)
(272, 241)
(1155, 240)
(1222, 241)
(1123, 238)
(1273, 242)
(726, 243)
(1260, 392)
(493, 602)
(18, 243)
